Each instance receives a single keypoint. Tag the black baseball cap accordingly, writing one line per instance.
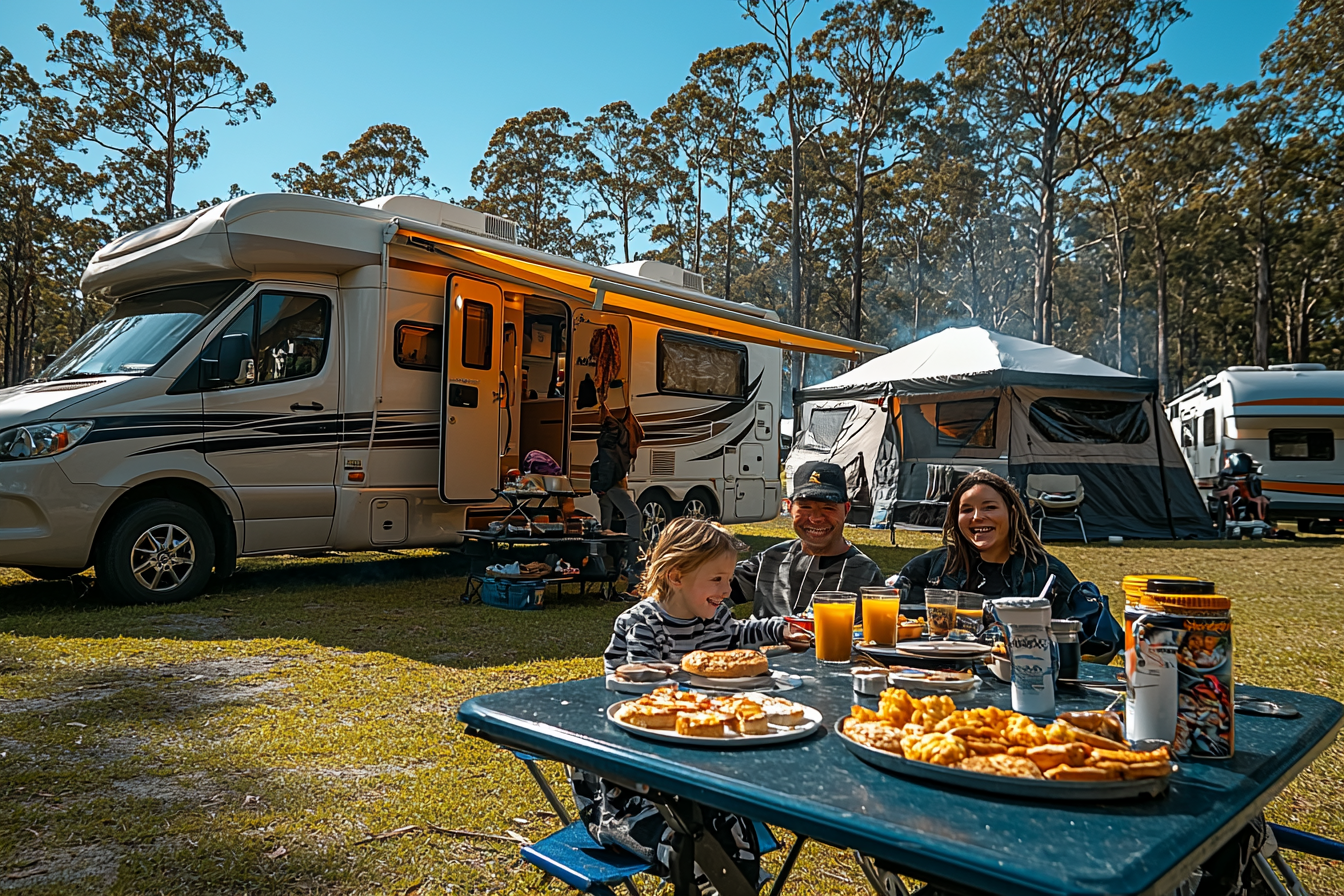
(821, 481)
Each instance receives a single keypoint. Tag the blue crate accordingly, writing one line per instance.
(513, 594)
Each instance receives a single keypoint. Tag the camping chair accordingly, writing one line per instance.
(574, 857)
(1055, 496)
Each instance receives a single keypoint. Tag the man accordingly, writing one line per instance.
(782, 579)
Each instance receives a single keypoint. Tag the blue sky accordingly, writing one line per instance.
(453, 71)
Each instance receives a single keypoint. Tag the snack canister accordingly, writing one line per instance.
(1030, 649)
(1178, 657)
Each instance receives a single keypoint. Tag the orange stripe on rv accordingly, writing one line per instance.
(1290, 401)
(1304, 488)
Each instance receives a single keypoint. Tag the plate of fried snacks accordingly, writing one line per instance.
(736, 720)
(1079, 756)
(941, 681)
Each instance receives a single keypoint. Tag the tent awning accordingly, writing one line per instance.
(648, 299)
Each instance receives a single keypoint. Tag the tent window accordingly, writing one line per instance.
(1210, 431)
(1301, 444)
(695, 365)
(968, 424)
(824, 426)
(1096, 420)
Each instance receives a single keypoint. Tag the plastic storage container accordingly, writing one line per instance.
(512, 594)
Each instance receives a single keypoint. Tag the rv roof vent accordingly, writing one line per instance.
(445, 214)
(1245, 367)
(662, 273)
(1301, 366)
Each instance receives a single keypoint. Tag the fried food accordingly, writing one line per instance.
(1048, 756)
(1086, 773)
(660, 716)
(725, 663)
(1003, 765)
(696, 715)
(998, 741)
(1107, 724)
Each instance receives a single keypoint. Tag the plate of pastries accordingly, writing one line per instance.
(729, 720)
(1079, 756)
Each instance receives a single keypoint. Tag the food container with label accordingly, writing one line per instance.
(1066, 632)
(1030, 648)
(1178, 659)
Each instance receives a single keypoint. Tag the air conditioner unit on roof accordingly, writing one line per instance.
(445, 214)
(663, 273)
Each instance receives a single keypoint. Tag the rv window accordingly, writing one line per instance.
(478, 322)
(1095, 420)
(1210, 434)
(697, 365)
(292, 336)
(824, 427)
(1301, 444)
(419, 346)
(967, 424)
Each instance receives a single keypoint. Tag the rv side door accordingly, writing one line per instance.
(472, 389)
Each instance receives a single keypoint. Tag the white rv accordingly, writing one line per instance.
(284, 373)
(1290, 418)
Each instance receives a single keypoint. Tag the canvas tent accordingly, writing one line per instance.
(909, 424)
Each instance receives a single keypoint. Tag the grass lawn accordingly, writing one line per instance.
(252, 740)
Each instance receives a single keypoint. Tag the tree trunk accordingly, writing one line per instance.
(795, 235)
(1262, 302)
(1160, 271)
(728, 234)
(856, 261)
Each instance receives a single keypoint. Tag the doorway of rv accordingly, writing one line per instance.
(585, 396)
(472, 378)
(543, 384)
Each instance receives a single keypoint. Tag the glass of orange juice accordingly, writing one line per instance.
(833, 612)
(881, 610)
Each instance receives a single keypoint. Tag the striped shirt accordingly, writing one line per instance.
(646, 633)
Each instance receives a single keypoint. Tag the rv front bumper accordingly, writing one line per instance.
(45, 519)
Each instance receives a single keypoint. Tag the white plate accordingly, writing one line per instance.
(775, 681)
(950, 650)
(731, 740)
(913, 683)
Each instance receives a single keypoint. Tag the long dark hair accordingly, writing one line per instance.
(1022, 538)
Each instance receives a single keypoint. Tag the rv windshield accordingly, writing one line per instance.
(141, 331)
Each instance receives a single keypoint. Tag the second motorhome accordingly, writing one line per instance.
(285, 373)
(1290, 418)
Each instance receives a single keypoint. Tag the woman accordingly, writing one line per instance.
(990, 548)
(618, 441)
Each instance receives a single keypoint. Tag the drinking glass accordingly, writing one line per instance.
(833, 612)
(881, 610)
(971, 612)
(942, 609)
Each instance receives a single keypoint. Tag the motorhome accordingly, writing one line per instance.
(1290, 418)
(284, 373)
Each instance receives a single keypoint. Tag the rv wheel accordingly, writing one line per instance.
(657, 512)
(699, 505)
(155, 552)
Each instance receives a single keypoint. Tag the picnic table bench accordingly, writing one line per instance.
(964, 841)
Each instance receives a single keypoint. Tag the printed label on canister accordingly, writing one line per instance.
(1033, 679)
(1200, 649)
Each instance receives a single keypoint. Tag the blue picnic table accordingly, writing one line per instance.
(961, 840)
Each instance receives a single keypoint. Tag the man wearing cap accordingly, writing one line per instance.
(781, 580)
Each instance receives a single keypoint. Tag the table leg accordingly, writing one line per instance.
(787, 868)
(693, 844)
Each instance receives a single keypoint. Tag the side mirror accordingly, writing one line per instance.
(234, 364)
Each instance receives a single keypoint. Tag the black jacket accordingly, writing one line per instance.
(613, 455)
(1024, 579)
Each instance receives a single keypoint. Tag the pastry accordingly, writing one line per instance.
(784, 713)
(878, 735)
(662, 716)
(1001, 764)
(1050, 755)
(700, 724)
(750, 719)
(726, 663)
(1086, 773)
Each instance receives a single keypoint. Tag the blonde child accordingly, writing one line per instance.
(687, 582)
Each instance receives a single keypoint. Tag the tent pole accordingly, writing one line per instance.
(1161, 466)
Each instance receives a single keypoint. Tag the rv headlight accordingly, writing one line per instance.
(41, 439)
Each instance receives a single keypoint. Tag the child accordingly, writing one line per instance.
(687, 580)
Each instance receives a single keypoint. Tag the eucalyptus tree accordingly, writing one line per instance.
(616, 165)
(144, 82)
(688, 133)
(529, 174)
(1034, 74)
(862, 47)
(384, 160)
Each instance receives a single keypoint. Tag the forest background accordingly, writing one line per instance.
(1056, 180)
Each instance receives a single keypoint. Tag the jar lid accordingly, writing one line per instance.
(1187, 601)
(1065, 625)
(1138, 582)
(1181, 585)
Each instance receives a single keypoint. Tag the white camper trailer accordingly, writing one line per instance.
(1290, 418)
(284, 373)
